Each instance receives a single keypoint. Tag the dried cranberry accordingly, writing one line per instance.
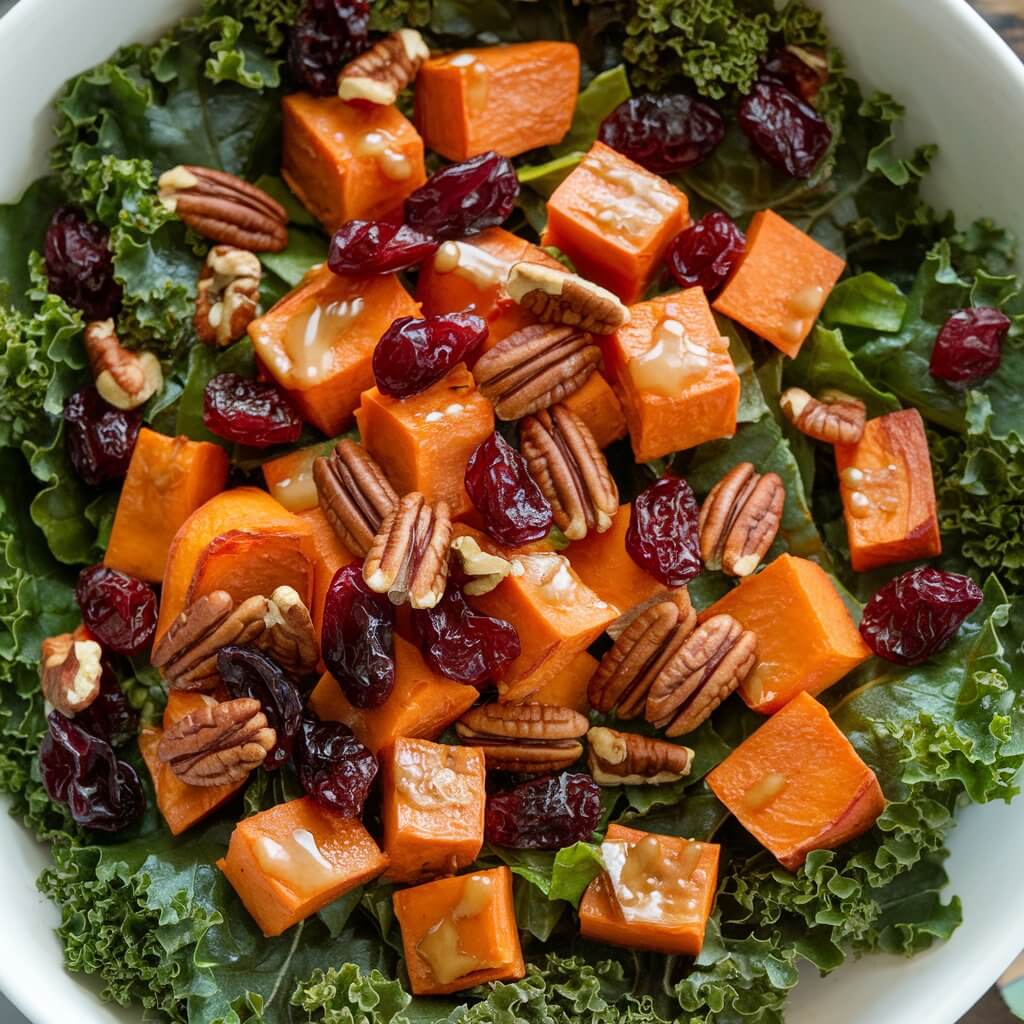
(463, 199)
(118, 609)
(109, 717)
(663, 536)
(665, 134)
(969, 347)
(544, 814)
(249, 412)
(79, 264)
(326, 35)
(101, 791)
(376, 247)
(100, 439)
(334, 767)
(788, 133)
(916, 614)
(704, 254)
(803, 71)
(498, 483)
(357, 638)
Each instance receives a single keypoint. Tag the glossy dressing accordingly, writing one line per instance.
(310, 336)
(673, 362)
(476, 78)
(472, 263)
(655, 883)
(296, 862)
(382, 147)
(870, 490)
(640, 204)
(440, 946)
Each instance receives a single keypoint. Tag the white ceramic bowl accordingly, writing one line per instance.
(964, 89)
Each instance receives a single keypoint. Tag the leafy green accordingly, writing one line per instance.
(561, 875)
(865, 300)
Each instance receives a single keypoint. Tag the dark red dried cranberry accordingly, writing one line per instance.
(969, 347)
(118, 609)
(357, 639)
(785, 131)
(334, 767)
(704, 254)
(801, 70)
(101, 791)
(325, 37)
(663, 536)
(508, 499)
(376, 247)
(413, 354)
(249, 412)
(100, 439)
(665, 134)
(544, 814)
(109, 717)
(79, 264)
(463, 199)
(915, 615)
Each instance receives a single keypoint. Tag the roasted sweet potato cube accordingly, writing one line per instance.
(318, 341)
(329, 555)
(349, 161)
(797, 784)
(459, 932)
(599, 407)
(657, 892)
(168, 479)
(615, 220)
(781, 283)
(806, 639)
(885, 480)
(568, 689)
(289, 477)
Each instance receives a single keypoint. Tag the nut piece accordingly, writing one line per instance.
(408, 559)
(354, 493)
(217, 744)
(740, 518)
(485, 570)
(290, 636)
(70, 671)
(535, 367)
(384, 70)
(556, 296)
(625, 758)
(834, 416)
(123, 378)
(570, 469)
(223, 208)
(228, 295)
(717, 656)
(528, 738)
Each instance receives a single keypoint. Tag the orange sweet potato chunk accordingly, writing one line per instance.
(674, 374)
(168, 479)
(290, 861)
(329, 555)
(348, 161)
(888, 496)
(598, 406)
(568, 689)
(289, 477)
(318, 341)
(781, 283)
(798, 785)
(460, 932)
(686, 874)
(615, 220)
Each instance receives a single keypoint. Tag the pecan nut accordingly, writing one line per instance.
(224, 208)
(740, 518)
(217, 744)
(228, 295)
(408, 559)
(290, 636)
(123, 378)
(70, 671)
(528, 738)
(556, 296)
(383, 71)
(355, 494)
(625, 758)
(716, 657)
(833, 417)
(535, 367)
(484, 571)
(570, 469)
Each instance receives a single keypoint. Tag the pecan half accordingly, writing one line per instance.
(123, 378)
(228, 294)
(484, 570)
(556, 296)
(224, 208)
(740, 518)
(527, 738)
(535, 367)
(834, 416)
(408, 559)
(625, 758)
(70, 671)
(716, 657)
(384, 70)
(217, 744)
(570, 469)
(290, 637)
(355, 494)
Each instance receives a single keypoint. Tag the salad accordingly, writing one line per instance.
(510, 512)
